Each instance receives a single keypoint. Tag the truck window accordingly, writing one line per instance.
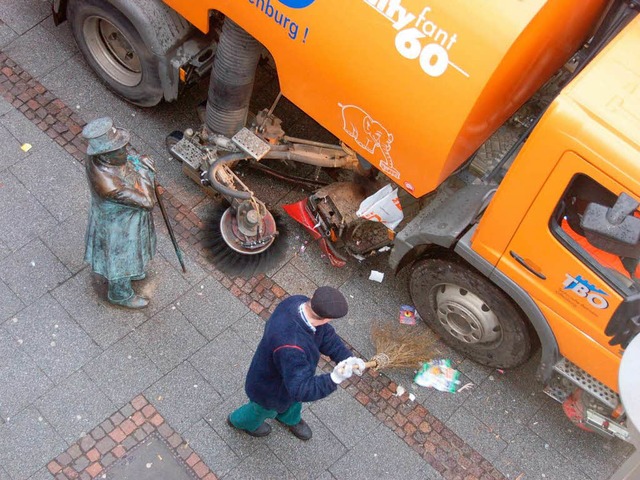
(621, 274)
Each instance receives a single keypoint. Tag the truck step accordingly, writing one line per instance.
(559, 388)
(586, 382)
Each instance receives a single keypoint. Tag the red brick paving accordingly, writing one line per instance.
(82, 461)
(437, 444)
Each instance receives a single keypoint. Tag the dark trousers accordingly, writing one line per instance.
(251, 415)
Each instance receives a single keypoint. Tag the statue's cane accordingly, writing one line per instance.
(169, 228)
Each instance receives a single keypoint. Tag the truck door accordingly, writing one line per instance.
(577, 286)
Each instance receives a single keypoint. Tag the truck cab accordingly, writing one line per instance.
(586, 149)
(531, 240)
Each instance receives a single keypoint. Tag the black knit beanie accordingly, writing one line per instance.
(328, 302)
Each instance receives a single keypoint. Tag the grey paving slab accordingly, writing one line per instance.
(168, 338)
(355, 328)
(345, 417)
(76, 85)
(294, 281)
(122, 371)
(306, 459)
(325, 475)
(381, 455)
(150, 460)
(596, 456)
(506, 402)
(21, 379)
(241, 444)
(314, 264)
(5, 106)
(32, 271)
(9, 302)
(163, 285)
(62, 34)
(195, 273)
(211, 448)
(24, 15)
(50, 336)
(21, 216)
(27, 443)
(474, 371)
(250, 328)
(528, 455)
(486, 442)
(262, 463)
(42, 474)
(389, 295)
(10, 147)
(183, 396)
(60, 184)
(7, 35)
(75, 406)
(444, 404)
(67, 240)
(27, 50)
(84, 297)
(4, 250)
(211, 308)
(154, 125)
(25, 131)
(3, 474)
(224, 362)
(427, 472)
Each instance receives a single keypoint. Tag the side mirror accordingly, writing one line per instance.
(615, 230)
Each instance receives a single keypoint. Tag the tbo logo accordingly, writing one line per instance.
(297, 3)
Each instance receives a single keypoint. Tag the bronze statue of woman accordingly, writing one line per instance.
(120, 238)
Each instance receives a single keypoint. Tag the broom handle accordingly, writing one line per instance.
(369, 364)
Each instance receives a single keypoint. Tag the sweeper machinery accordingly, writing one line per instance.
(510, 131)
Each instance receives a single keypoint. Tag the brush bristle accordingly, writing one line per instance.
(404, 347)
(234, 263)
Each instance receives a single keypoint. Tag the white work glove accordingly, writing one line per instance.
(341, 372)
(357, 365)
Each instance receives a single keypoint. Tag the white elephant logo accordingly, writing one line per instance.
(369, 134)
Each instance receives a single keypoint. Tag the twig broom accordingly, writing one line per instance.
(399, 347)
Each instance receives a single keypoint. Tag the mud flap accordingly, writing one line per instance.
(299, 212)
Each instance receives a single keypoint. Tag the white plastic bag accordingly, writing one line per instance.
(383, 206)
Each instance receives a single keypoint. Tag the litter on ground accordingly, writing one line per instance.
(376, 276)
(438, 374)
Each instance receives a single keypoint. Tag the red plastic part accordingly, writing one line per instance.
(298, 211)
(575, 409)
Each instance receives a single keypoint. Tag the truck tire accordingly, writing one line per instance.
(469, 313)
(115, 51)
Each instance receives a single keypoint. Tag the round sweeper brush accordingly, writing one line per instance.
(236, 254)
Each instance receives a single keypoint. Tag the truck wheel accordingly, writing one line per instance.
(470, 313)
(115, 51)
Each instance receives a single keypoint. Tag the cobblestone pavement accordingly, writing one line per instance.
(83, 385)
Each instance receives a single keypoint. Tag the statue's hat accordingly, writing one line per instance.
(103, 137)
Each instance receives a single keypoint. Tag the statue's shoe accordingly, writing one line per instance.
(142, 276)
(135, 302)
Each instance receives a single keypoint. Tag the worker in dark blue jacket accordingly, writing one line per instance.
(282, 374)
